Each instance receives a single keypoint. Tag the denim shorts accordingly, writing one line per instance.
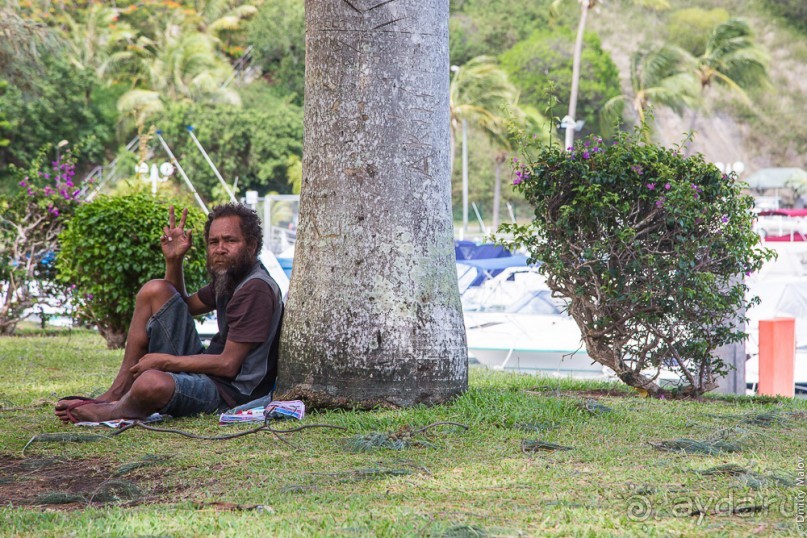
(172, 330)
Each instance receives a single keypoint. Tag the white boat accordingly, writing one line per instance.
(533, 335)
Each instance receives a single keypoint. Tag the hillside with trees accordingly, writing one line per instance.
(93, 76)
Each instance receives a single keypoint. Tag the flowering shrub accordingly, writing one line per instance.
(649, 247)
(111, 247)
(30, 222)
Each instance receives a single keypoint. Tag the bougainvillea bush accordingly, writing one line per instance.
(650, 248)
(30, 222)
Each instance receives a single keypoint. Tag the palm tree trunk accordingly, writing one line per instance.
(497, 189)
(578, 53)
(374, 315)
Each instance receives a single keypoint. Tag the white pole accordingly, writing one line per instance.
(175, 162)
(213, 166)
(578, 48)
(464, 178)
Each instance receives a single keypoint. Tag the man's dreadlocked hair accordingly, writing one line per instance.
(250, 222)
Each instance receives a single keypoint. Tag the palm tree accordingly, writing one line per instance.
(480, 94)
(732, 60)
(585, 6)
(659, 75)
(22, 47)
(222, 19)
(373, 316)
(97, 43)
(180, 65)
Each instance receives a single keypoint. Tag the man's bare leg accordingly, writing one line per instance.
(149, 393)
(151, 297)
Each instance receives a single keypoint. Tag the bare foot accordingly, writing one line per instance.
(86, 411)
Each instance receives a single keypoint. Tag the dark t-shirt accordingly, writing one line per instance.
(249, 312)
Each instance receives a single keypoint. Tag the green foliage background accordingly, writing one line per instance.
(50, 97)
(253, 144)
(111, 247)
(794, 12)
(546, 57)
(61, 104)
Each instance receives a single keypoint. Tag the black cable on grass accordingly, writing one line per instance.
(266, 428)
(430, 426)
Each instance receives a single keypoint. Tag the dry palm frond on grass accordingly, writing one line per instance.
(531, 446)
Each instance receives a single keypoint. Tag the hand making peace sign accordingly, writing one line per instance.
(175, 241)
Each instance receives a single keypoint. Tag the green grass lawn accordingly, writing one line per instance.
(446, 481)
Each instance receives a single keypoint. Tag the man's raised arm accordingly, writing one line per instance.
(175, 243)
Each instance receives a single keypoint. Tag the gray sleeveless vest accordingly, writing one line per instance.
(259, 369)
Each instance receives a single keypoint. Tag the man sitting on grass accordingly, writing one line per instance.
(165, 367)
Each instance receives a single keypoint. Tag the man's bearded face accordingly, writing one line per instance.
(229, 256)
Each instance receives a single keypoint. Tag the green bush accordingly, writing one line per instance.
(649, 247)
(110, 248)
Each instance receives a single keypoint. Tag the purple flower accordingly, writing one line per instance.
(515, 159)
(46, 176)
(599, 141)
(570, 148)
(725, 218)
(47, 190)
(660, 202)
(23, 184)
(30, 191)
(667, 186)
(636, 168)
(90, 296)
(651, 186)
(586, 155)
(586, 143)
